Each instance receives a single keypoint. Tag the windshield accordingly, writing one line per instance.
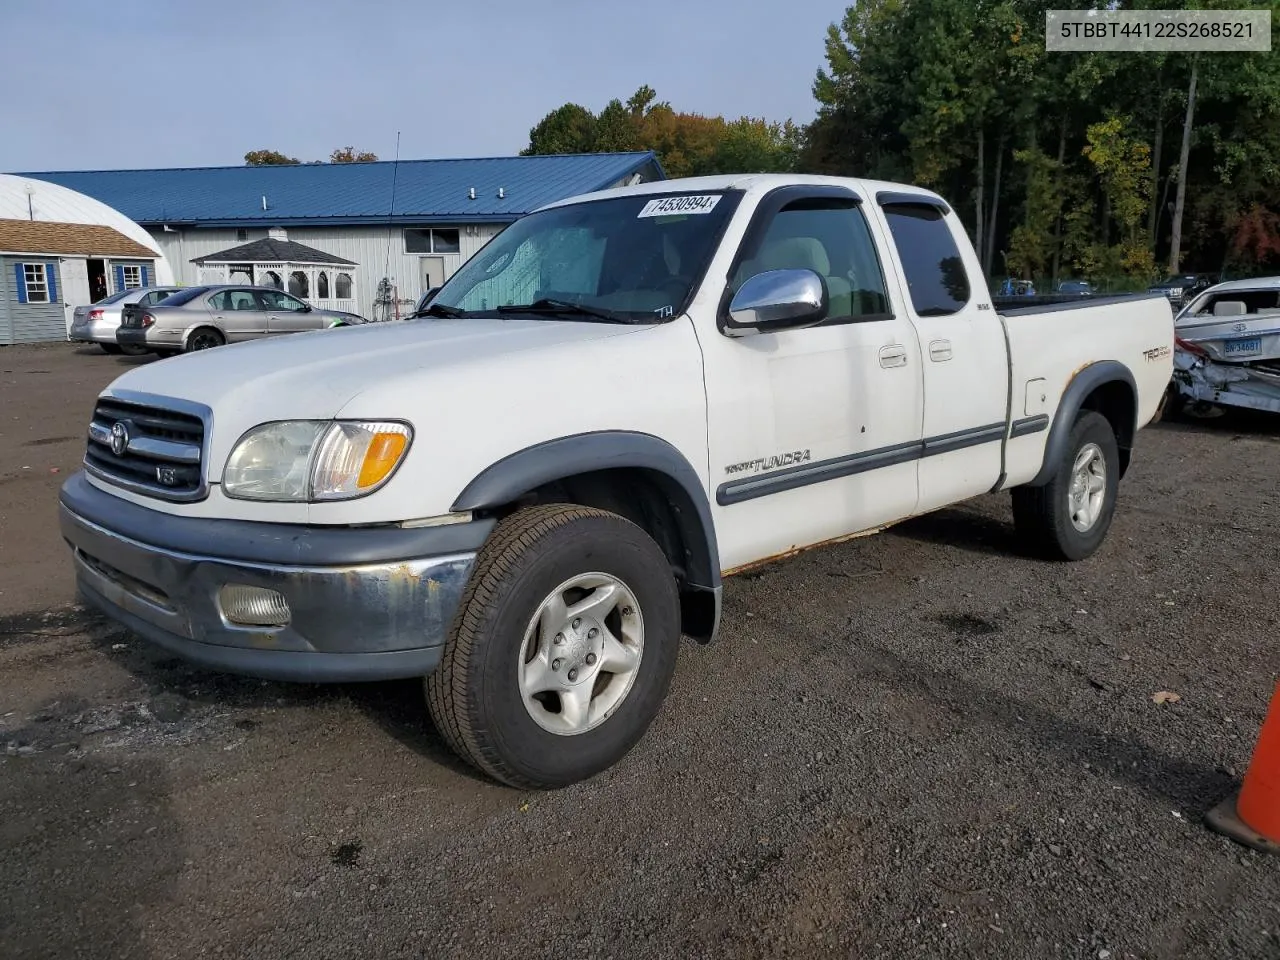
(634, 259)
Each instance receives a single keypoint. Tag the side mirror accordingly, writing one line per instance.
(778, 300)
(306, 308)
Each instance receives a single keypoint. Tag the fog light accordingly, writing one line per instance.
(253, 606)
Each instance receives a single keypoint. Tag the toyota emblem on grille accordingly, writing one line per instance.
(119, 438)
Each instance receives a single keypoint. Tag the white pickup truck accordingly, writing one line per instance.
(529, 495)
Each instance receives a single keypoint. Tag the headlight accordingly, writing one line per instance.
(311, 460)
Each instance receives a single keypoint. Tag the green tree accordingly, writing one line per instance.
(268, 158)
(1123, 167)
(570, 128)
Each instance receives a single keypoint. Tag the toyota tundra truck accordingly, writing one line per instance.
(528, 495)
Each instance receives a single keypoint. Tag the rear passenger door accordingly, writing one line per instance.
(239, 314)
(962, 348)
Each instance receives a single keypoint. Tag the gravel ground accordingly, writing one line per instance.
(918, 744)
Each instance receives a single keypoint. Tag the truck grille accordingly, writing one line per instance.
(148, 449)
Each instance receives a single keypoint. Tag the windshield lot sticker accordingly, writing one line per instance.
(664, 206)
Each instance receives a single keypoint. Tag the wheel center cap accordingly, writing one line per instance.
(578, 645)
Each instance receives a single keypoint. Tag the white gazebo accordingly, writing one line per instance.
(322, 279)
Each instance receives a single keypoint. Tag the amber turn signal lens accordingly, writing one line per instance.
(381, 458)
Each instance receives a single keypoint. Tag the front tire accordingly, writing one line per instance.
(1068, 517)
(562, 650)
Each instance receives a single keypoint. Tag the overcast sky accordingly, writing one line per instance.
(99, 84)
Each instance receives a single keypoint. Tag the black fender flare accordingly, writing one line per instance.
(516, 474)
(1086, 380)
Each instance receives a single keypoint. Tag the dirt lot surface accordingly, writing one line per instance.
(918, 744)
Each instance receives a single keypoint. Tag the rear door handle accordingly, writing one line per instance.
(940, 350)
(894, 355)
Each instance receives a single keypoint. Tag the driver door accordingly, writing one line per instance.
(813, 432)
(286, 313)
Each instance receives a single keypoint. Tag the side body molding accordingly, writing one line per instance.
(1084, 383)
(586, 453)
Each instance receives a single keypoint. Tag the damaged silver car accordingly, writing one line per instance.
(1227, 348)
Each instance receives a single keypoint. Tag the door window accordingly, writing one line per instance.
(829, 236)
(931, 263)
(234, 300)
(278, 300)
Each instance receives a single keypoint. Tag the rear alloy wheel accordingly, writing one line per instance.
(1068, 517)
(562, 650)
(206, 338)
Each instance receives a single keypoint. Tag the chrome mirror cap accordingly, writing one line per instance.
(777, 300)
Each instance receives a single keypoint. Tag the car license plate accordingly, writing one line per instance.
(1243, 348)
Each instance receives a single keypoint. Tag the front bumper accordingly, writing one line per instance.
(371, 603)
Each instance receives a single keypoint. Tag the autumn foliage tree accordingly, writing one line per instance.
(1058, 163)
(687, 144)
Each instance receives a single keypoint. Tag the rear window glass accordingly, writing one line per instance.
(115, 297)
(930, 259)
(184, 296)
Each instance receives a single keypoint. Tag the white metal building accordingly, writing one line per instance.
(395, 229)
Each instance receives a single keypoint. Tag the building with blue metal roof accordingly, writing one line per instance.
(406, 225)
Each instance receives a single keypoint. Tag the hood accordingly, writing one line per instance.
(314, 374)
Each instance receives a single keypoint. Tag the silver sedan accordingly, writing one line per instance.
(98, 322)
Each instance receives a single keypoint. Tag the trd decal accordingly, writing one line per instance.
(770, 463)
(1156, 353)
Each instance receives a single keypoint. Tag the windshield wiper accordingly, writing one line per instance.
(440, 310)
(548, 305)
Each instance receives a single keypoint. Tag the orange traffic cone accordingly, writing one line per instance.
(1252, 817)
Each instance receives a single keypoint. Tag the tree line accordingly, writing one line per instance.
(273, 158)
(1112, 167)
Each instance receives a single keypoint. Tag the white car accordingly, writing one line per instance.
(98, 322)
(1228, 347)
(622, 399)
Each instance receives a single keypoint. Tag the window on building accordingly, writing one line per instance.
(342, 286)
(423, 240)
(37, 282)
(445, 241)
(322, 285)
(132, 276)
(930, 258)
(298, 284)
(242, 235)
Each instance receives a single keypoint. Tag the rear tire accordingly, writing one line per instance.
(1068, 517)
(496, 696)
(205, 338)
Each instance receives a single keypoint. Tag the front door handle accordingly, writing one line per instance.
(894, 355)
(940, 350)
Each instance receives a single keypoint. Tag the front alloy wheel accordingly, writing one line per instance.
(562, 649)
(581, 653)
